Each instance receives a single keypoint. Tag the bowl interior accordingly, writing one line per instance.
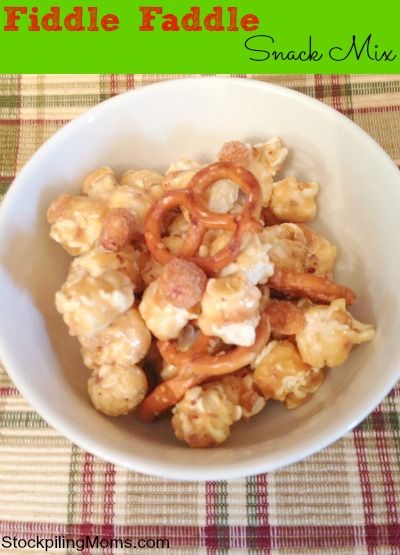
(149, 128)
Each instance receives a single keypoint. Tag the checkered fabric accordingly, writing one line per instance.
(343, 500)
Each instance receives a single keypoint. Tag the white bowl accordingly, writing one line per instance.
(358, 209)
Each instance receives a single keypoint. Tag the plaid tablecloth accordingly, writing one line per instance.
(344, 499)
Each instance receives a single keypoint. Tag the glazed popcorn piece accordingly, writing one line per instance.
(148, 181)
(89, 304)
(98, 260)
(330, 333)
(321, 254)
(76, 222)
(230, 310)
(288, 246)
(272, 154)
(280, 374)
(242, 390)
(144, 179)
(179, 174)
(135, 200)
(124, 342)
(267, 160)
(215, 239)
(177, 230)
(100, 183)
(299, 249)
(173, 244)
(117, 390)
(264, 160)
(163, 319)
(149, 269)
(205, 415)
(252, 260)
(222, 196)
(293, 200)
(179, 226)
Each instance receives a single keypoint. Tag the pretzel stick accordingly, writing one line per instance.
(221, 364)
(315, 288)
(199, 369)
(166, 395)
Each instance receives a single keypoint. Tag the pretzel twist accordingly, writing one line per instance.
(155, 216)
(201, 218)
(239, 175)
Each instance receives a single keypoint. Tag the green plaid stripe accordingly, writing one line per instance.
(20, 419)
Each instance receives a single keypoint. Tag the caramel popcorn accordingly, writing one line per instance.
(89, 304)
(230, 309)
(288, 246)
(98, 260)
(253, 260)
(179, 174)
(163, 319)
(264, 160)
(150, 269)
(267, 160)
(280, 374)
(76, 222)
(272, 154)
(300, 249)
(179, 226)
(293, 200)
(100, 183)
(144, 179)
(242, 390)
(124, 342)
(222, 196)
(134, 199)
(205, 415)
(321, 254)
(330, 333)
(117, 390)
(173, 243)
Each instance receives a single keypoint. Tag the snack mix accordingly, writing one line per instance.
(202, 293)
